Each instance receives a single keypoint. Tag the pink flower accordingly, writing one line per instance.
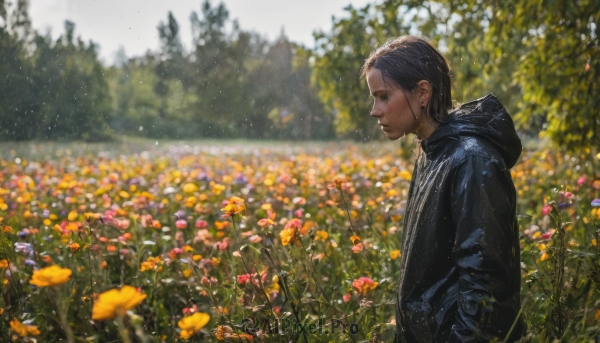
(298, 213)
(567, 195)
(181, 224)
(223, 245)
(146, 220)
(201, 224)
(206, 281)
(293, 223)
(347, 297)
(202, 235)
(581, 180)
(243, 279)
(358, 248)
(175, 252)
(546, 210)
(121, 224)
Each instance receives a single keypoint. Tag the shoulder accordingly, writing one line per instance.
(475, 150)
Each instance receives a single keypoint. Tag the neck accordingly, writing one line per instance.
(427, 129)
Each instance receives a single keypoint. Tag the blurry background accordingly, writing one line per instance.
(100, 70)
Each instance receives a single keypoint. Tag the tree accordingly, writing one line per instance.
(559, 72)
(70, 83)
(18, 106)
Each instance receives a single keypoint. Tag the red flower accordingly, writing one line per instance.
(243, 279)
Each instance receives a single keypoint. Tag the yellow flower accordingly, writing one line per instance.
(355, 240)
(191, 324)
(197, 257)
(73, 215)
(321, 235)
(544, 257)
(394, 254)
(187, 273)
(116, 301)
(288, 236)
(22, 329)
(216, 261)
(190, 188)
(3, 264)
(235, 205)
(50, 276)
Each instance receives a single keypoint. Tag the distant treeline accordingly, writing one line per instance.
(542, 59)
(233, 83)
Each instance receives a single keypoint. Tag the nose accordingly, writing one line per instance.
(376, 112)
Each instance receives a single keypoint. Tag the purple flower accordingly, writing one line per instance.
(23, 247)
(564, 205)
(596, 203)
(30, 263)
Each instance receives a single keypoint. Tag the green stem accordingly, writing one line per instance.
(122, 329)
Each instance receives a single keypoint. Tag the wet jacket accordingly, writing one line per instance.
(460, 267)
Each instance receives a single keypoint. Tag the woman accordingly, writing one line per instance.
(459, 277)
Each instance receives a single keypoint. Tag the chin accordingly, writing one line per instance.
(392, 136)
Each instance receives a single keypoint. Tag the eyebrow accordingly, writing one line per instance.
(378, 91)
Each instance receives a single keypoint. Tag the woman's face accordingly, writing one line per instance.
(392, 107)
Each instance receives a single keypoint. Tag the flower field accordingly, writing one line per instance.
(245, 243)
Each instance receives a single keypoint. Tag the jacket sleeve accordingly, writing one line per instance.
(483, 204)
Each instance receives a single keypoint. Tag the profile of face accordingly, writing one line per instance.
(397, 111)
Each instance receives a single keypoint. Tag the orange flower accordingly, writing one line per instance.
(223, 332)
(364, 285)
(150, 264)
(265, 221)
(103, 265)
(321, 235)
(355, 240)
(394, 254)
(3, 264)
(50, 276)
(22, 329)
(74, 247)
(221, 225)
(116, 302)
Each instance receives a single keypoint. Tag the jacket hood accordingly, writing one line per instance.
(485, 118)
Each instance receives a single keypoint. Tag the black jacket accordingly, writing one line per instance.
(460, 274)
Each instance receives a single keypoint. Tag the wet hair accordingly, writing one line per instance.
(407, 60)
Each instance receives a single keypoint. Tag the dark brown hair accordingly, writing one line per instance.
(407, 60)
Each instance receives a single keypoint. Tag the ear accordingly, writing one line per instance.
(423, 92)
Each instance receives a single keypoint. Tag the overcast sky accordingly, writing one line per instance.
(132, 23)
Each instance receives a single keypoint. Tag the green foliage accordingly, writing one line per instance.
(540, 58)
